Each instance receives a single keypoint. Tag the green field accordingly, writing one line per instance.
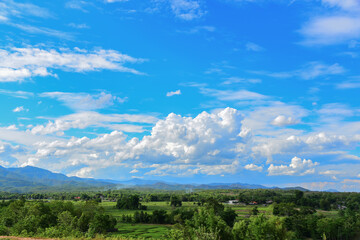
(151, 206)
(153, 231)
(157, 231)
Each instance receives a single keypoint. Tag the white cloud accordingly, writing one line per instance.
(231, 95)
(234, 80)
(250, 46)
(113, 1)
(348, 5)
(199, 29)
(83, 120)
(17, 94)
(78, 4)
(206, 144)
(42, 30)
(79, 25)
(12, 12)
(315, 144)
(8, 153)
(282, 120)
(333, 27)
(170, 94)
(253, 167)
(20, 109)
(336, 109)
(9, 9)
(209, 143)
(311, 70)
(188, 170)
(330, 172)
(331, 30)
(16, 64)
(12, 127)
(261, 119)
(296, 167)
(84, 101)
(134, 171)
(348, 84)
(186, 9)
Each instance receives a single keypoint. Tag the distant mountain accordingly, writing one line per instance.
(132, 182)
(293, 188)
(331, 190)
(33, 179)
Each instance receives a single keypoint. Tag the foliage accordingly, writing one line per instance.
(53, 219)
(131, 202)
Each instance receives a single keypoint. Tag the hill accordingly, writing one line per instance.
(33, 179)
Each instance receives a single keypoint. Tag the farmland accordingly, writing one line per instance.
(212, 214)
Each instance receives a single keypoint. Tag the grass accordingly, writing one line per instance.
(245, 211)
(152, 231)
(332, 213)
(151, 206)
(146, 231)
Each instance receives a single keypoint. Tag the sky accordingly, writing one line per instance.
(187, 91)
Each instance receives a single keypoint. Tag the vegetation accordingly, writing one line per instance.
(204, 214)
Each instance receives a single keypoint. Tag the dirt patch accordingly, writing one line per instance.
(25, 238)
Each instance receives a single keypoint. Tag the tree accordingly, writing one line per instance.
(325, 204)
(255, 211)
(175, 201)
(131, 202)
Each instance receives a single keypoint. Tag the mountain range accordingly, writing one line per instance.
(33, 179)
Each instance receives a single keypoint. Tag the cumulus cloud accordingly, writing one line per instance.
(314, 144)
(210, 143)
(282, 120)
(83, 120)
(17, 64)
(170, 94)
(296, 167)
(84, 101)
(261, 119)
(223, 141)
(253, 167)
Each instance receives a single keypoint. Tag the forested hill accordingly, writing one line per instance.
(33, 179)
(30, 179)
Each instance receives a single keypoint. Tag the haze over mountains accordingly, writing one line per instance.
(32, 179)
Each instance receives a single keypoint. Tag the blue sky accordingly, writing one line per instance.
(253, 91)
